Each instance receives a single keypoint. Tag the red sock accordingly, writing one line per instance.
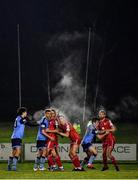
(105, 160)
(113, 161)
(58, 161)
(50, 160)
(75, 161)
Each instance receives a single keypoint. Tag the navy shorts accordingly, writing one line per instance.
(17, 142)
(40, 144)
(86, 146)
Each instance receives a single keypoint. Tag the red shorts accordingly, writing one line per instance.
(52, 144)
(109, 143)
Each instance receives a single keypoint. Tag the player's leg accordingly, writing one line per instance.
(13, 157)
(10, 160)
(104, 154)
(92, 153)
(57, 159)
(43, 156)
(37, 159)
(74, 157)
(17, 153)
(110, 156)
(51, 162)
(86, 159)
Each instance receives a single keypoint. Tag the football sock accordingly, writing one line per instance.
(42, 161)
(50, 160)
(15, 159)
(10, 161)
(58, 161)
(92, 158)
(75, 161)
(105, 160)
(37, 161)
(113, 161)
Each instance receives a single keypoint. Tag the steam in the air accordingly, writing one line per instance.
(68, 92)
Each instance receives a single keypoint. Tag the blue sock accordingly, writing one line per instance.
(37, 161)
(92, 158)
(42, 162)
(15, 160)
(10, 160)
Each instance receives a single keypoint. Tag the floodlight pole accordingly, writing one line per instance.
(86, 79)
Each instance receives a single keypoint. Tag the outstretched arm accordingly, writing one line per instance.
(51, 131)
(64, 134)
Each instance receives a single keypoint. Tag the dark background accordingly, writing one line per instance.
(115, 22)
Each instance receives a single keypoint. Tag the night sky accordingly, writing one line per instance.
(113, 34)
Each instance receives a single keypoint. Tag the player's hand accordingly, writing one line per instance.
(107, 132)
(52, 139)
(56, 131)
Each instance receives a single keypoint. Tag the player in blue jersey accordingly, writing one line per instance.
(87, 144)
(42, 137)
(16, 138)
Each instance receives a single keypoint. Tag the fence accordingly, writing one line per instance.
(123, 152)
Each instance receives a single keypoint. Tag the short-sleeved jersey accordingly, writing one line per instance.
(90, 135)
(106, 124)
(43, 124)
(52, 126)
(67, 127)
(19, 126)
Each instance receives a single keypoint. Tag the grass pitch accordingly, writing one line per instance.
(124, 134)
(25, 170)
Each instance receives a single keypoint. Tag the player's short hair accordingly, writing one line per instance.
(53, 110)
(47, 110)
(102, 111)
(94, 119)
(21, 110)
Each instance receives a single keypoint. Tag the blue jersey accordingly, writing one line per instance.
(90, 135)
(19, 126)
(43, 124)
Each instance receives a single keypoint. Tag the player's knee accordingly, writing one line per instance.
(71, 154)
(109, 156)
(54, 154)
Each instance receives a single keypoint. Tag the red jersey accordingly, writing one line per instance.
(52, 126)
(73, 135)
(106, 124)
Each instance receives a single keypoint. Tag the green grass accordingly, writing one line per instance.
(125, 133)
(127, 171)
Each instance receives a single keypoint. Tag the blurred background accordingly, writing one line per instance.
(77, 56)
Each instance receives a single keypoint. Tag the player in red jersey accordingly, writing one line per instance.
(108, 139)
(52, 146)
(66, 129)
